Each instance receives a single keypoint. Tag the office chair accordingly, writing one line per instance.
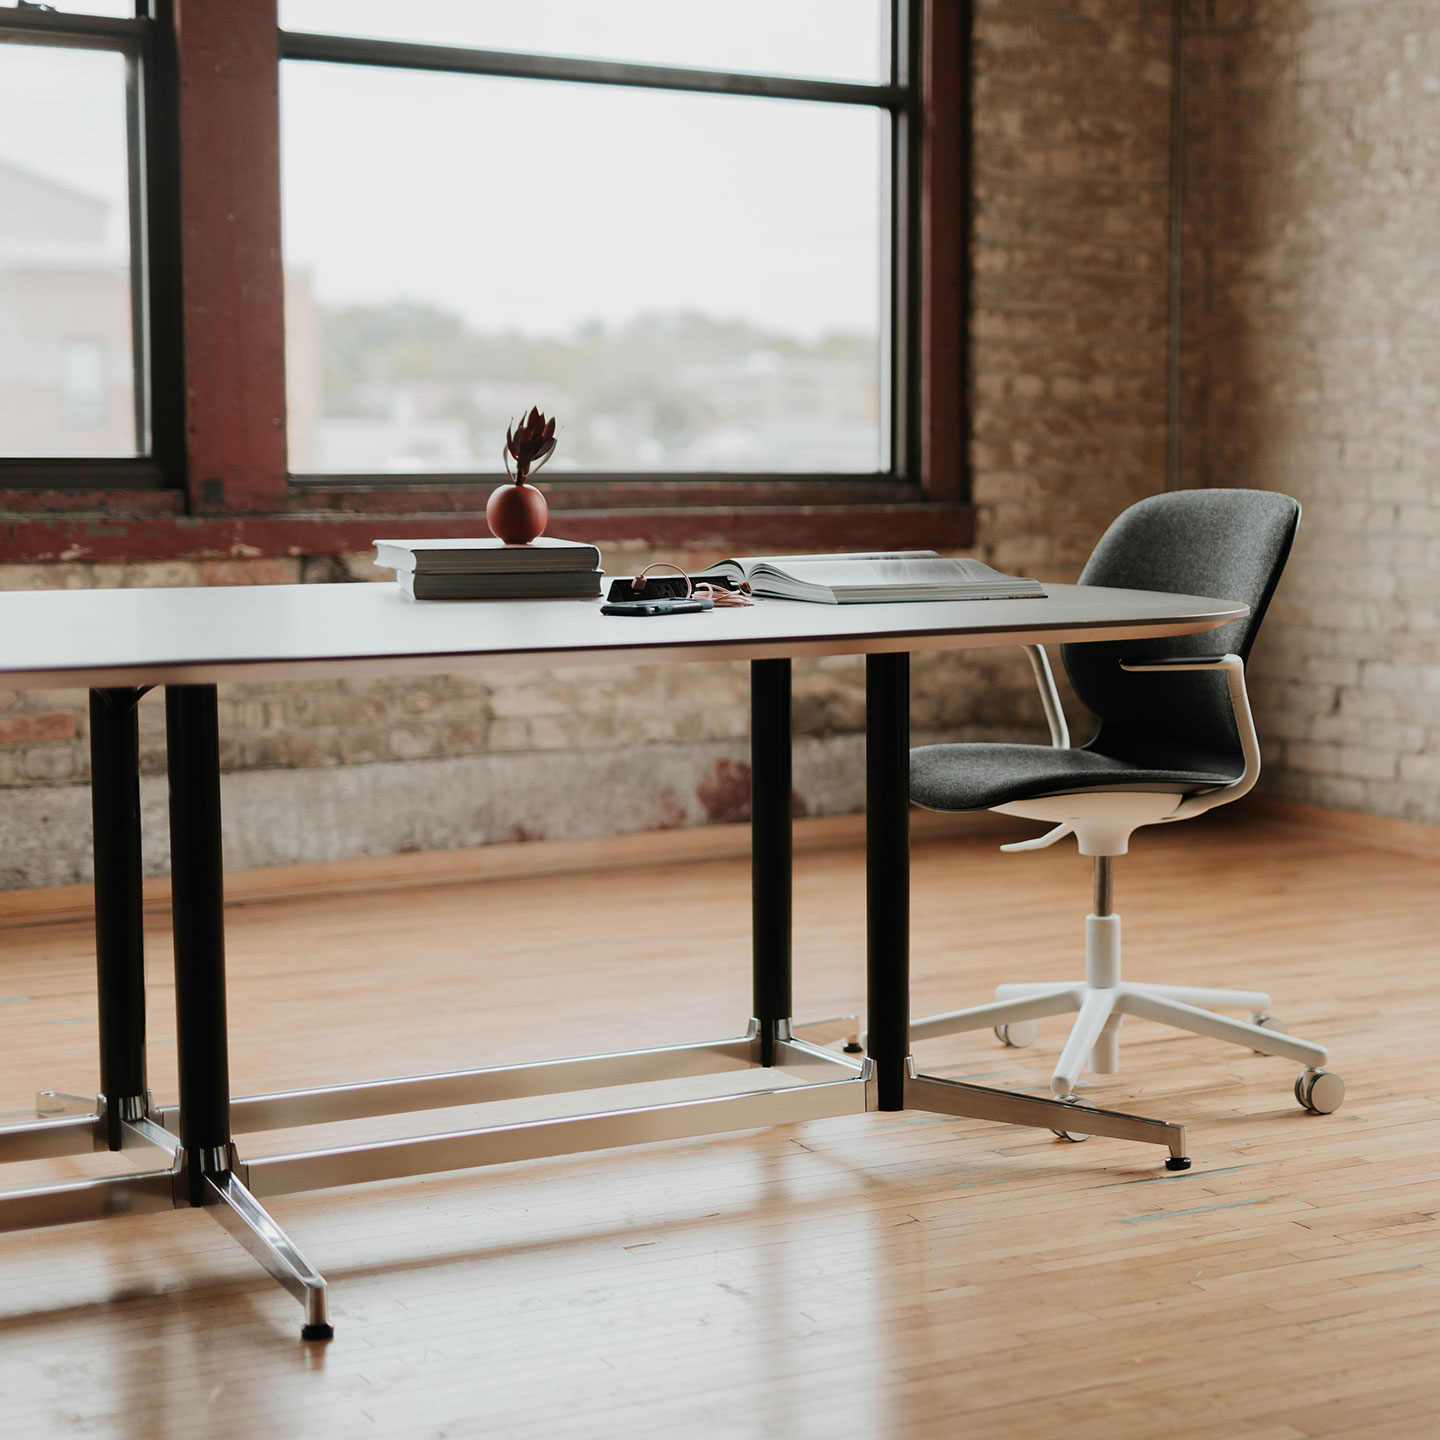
(1176, 739)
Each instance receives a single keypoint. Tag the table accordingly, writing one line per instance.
(121, 643)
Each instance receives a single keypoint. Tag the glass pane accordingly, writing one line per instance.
(689, 282)
(816, 39)
(67, 384)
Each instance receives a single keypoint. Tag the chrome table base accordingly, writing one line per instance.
(824, 1083)
(841, 1090)
(202, 1166)
(1044, 1112)
(249, 1222)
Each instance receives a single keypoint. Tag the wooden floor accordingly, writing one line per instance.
(903, 1276)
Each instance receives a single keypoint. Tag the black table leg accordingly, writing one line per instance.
(887, 871)
(119, 918)
(197, 880)
(887, 898)
(770, 849)
(198, 904)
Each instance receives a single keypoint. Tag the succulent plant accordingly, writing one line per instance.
(530, 444)
(517, 513)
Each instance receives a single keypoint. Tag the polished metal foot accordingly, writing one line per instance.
(980, 1102)
(250, 1223)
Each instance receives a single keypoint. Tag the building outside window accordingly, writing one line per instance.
(84, 365)
(65, 264)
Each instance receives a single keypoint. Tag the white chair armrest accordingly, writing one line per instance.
(1234, 668)
(1049, 697)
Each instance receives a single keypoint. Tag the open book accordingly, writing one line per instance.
(865, 579)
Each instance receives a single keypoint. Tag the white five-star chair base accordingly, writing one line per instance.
(1102, 1000)
(1102, 823)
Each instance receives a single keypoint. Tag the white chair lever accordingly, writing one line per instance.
(1040, 842)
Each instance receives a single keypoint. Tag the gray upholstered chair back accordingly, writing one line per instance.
(1227, 544)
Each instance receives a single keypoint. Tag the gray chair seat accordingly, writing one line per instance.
(977, 777)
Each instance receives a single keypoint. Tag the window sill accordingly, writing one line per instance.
(107, 528)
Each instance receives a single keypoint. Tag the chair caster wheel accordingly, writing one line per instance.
(1018, 1034)
(1319, 1091)
(1079, 1102)
(1177, 1162)
(1268, 1022)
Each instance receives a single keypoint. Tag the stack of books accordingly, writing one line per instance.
(545, 569)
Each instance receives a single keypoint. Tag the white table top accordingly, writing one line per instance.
(99, 638)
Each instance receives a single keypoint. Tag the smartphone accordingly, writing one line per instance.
(656, 607)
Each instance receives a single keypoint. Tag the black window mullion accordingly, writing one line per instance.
(139, 251)
(573, 479)
(159, 197)
(455, 59)
(905, 240)
(80, 473)
(79, 32)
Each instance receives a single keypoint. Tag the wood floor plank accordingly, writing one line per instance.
(894, 1275)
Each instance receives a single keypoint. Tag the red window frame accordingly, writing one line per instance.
(237, 498)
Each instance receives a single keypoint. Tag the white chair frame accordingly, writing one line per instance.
(1102, 822)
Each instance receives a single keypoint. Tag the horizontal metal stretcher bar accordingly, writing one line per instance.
(80, 1200)
(286, 1109)
(49, 1139)
(570, 1135)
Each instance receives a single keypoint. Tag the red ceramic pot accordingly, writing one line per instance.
(516, 514)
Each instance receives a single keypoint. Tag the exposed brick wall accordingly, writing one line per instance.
(1068, 338)
(1312, 330)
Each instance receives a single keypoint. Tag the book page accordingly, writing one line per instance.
(839, 572)
(792, 564)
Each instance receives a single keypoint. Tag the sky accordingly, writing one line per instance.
(62, 115)
(819, 39)
(537, 205)
(541, 205)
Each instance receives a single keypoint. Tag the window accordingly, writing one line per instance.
(78, 349)
(702, 272)
(692, 231)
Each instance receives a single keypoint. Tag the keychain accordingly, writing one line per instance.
(696, 598)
